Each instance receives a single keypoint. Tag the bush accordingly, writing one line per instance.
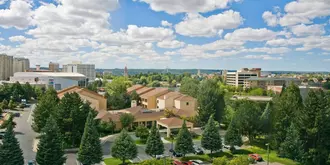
(220, 161)
(142, 132)
(21, 105)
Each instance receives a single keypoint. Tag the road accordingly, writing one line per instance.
(25, 134)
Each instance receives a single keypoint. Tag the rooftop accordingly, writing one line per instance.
(134, 88)
(185, 98)
(48, 74)
(271, 79)
(154, 92)
(173, 122)
(143, 90)
(170, 95)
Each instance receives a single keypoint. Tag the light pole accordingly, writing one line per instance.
(267, 153)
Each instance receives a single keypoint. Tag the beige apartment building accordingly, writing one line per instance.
(264, 82)
(54, 67)
(21, 65)
(77, 67)
(149, 99)
(6, 67)
(237, 78)
(167, 100)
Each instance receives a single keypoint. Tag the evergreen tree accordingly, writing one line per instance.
(11, 153)
(211, 101)
(184, 143)
(211, 139)
(4, 104)
(50, 146)
(155, 144)
(292, 147)
(47, 105)
(11, 104)
(90, 151)
(124, 147)
(266, 119)
(233, 135)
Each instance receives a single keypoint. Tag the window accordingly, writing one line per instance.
(157, 101)
(187, 103)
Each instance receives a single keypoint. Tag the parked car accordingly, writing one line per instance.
(159, 156)
(256, 157)
(225, 146)
(198, 150)
(31, 162)
(176, 154)
(177, 162)
(17, 114)
(197, 162)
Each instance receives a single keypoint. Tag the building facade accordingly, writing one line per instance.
(258, 82)
(6, 67)
(54, 67)
(21, 65)
(77, 67)
(149, 99)
(237, 78)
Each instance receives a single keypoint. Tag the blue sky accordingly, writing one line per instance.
(208, 34)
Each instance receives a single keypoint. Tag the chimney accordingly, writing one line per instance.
(37, 67)
(165, 97)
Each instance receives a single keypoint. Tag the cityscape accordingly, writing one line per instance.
(164, 82)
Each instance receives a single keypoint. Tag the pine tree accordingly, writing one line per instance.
(155, 144)
(184, 143)
(11, 153)
(50, 147)
(292, 147)
(90, 151)
(47, 105)
(233, 135)
(211, 139)
(124, 147)
(266, 119)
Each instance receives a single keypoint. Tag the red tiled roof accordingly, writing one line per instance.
(170, 95)
(185, 98)
(134, 88)
(154, 92)
(144, 90)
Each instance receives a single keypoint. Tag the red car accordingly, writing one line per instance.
(256, 157)
(177, 162)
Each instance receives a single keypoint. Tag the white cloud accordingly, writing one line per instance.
(149, 33)
(3, 2)
(2, 39)
(303, 30)
(270, 18)
(187, 6)
(17, 39)
(195, 25)
(166, 24)
(249, 34)
(18, 15)
(170, 44)
(277, 50)
(170, 53)
(263, 57)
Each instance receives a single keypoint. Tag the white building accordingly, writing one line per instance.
(77, 67)
(237, 78)
(21, 65)
(58, 80)
(6, 66)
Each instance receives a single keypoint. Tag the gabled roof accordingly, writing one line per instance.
(185, 98)
(170, 95)
(134, 88)
(107, 116)
(143, 114)
(155, 92)
(184, 113)
(143, 90)
(79, 90)
(173, 122)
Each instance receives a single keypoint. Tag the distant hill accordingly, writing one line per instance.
(118, 72)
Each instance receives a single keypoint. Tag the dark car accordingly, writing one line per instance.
(176, 154)
(198, 150)
(17, 114)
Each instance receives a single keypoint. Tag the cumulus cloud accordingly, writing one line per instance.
(149, 33)
(303, 30)
(18, 15)
(170, 44)
(263, 57)
(268, 50)
(189, 6)
(195, 25)
(3, 2)
(166, 24)
(270, 18)
(249, 34)
(17, 39)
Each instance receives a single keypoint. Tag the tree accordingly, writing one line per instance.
(155, 144)
(90, 151)
(233, 135)
(239, 160)
(106, 128)
(47, 105)
(220, 161)
(11, 104)
(211, 101)
(292, 147)
(257, 92)
(266, 119)
(50, 146)
(142, 132)
(189, 87)
(136, 97)
(4, 104)
(124, 147)
(211, 139)
(184, 143)
(11, 153)
(28, 91)
(169, 113)
(126, 119)
(326, 85)
(117, 95)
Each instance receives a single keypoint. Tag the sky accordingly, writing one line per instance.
(290, 35)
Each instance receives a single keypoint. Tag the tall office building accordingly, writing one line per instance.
(77, 67)
(236, 78)
(54, 67)
(6, 67)
(21, 65)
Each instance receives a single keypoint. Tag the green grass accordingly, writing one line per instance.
(139, 142)
(114, 161)
(199, 137)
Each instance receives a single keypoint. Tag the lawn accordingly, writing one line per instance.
(114, 161)
(139, 142)
(199, 137)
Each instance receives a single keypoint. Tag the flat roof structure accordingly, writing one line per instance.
(172, 123)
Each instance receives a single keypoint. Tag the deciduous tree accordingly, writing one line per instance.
(142, 132)
(126, 119)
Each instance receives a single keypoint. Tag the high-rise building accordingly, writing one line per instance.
(6, 67)
(21, 65)
(126, 72)
(54, 67)
(236, 78)
(77, 67)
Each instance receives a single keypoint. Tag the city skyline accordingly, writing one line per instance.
(287, 35)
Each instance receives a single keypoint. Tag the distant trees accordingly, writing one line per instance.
(50, 146)
(117, 95)
(155, 144)
(189, 87)
(124, 147)
(184, 143)
(211, 139)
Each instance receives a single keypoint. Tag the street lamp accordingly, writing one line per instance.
(267, 153)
